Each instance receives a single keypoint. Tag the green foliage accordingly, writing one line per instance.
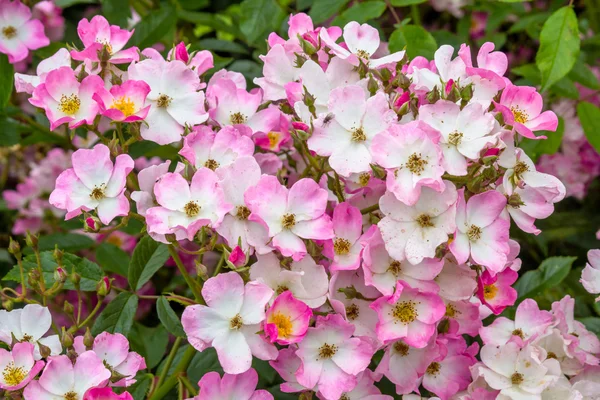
(549, 274)
(168, 317)
(589, 116)
(118, 315)
(116, 12)
(154, 27)
(6, 80)
(416, 40)
(112, 259)
(259, 17)
(148, 256)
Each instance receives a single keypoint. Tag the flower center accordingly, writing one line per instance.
(71, 396)
(395, 267)
(424, 221)
(489, 291)
(364, 178)
(401, 348)
(358, 135)
(474, 233)
(191, 209)
(281, 289)
(352, 312)
(519, 333)
(105, 43)
(516, 378)
(520, 168)
(273, 138)
(363, 54)
(98, 193)
(9, 32)
(69, 104)
(238, 118)
(416, 164)
(451, 311)
(327, 350)
(243, 212)
(520, 115)
(288, 221)
(236, 322)
(283, 323)
(551, 354)
(341, 246)
(344, 397)
(125, 105)
(13, 375)
(26, 338)
(163, 101)
(434, 368)
(405, 312)
(211, 164)
(455, 138)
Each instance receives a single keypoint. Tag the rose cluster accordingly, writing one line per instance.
(359, 202)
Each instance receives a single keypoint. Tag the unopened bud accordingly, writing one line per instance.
(454, 94)
(33, 277)
(467, 92)
(514, 200)
(45, 351)
(402, 81)
(32, 240)
(201, 270)
(433, 96)
(58, 255)
(308, 99)
(307, 47)
(103, 287)
(75, 278)
(8, 305)
(92, 224)
(68, 308)
(67, 340)
(237, 258)
(385, 74)
(14, 248)
(88, 339)
(372, 85)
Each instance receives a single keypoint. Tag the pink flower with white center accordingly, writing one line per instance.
(174, 99)
(277, 138)
(414, 232)
(456, 282)
(351, 298)
(345, 249)
(561, 349)
(18, 366)
(290, 215)
(383, 271)
(361, 41)
(287, 319)
(306, 279)
(235, 180)
(412, 160)
(404, 365)
(590, 276)
(230, 105)
(98, 34)
(27, 83)
(346, 139)
(147, 178)
(481, 230)
(65, 100)
(278, 70)
(521, 107)
(286, 365)
(230, 321)
(331, 357)
(113, 350)
(204, 147)
(125, 102)
(365, 389)
(64, 379)
(449, 373)
(517, 373)
(94, 182)
(231, 387)
(488, 61)
(464, 133)
(106, 393)
(18, 32)
(496, 291)
(463, 318)
(29, 324)
(529, 324)
(408, 314)
(186, 207)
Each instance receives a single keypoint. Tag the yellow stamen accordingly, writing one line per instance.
(13, 375)
(69, 104)
(283, 323)
(125, 105)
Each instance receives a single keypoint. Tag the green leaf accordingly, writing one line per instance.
(9, 132)
(322, 10)
(259, 17)
(222, 45)
(202, 363)
(116, 12)
(416, 39)
(112, 259)
(154, 26)
(250, 69)
(361, 13)
(69, 3)
(150, 343)
(592, 324)
(535, 148)
(139, 390)
(582, 74)
(118, 315)
(194, 4)
(559, 46)
(65, 241)
(589, 116)
(402, 3)
(168, 317)
(6, 80)
(550, 273)
(148, 256)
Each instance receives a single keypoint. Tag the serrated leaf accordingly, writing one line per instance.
(65, 241)
(154, 26)
(150, 343)
(112, 259)
(168, 317)
(259, 17)
(416, 39)
(148, 256)
(550, 273)
(589, 116)
(6, 80)
(118, 315)
(559, 46)
(322, 10)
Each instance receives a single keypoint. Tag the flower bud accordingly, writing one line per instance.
(58, 255)
(307, 47)
(14, 248)
(300, 126)
(372, 85)
(104, 54)
(45, 351)
(454, 95)
(8, 305)
(32, 240)
(467, 92)
(75, 278)
(385, 74)
(67, 339)
(68, 308)
(402, 81)
(88, 339)
(201, 270)
(103, 287)
(92, 224)
(33, 277)
(181, 53)
(237, 258)
(433, 96)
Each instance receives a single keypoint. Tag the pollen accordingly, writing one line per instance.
(424, 221)
(416, 164)
(9, 32)
(281, 289)
(69, 104)
(551, 354)
(401, 348)
(519, 333)
(358, 135)
(288, 221)
(395, 267)
(242, 213)
(13, 375)
(489, 292)
(520, 115)
(238, 118)
(455, 138)
(474, 233)
(341, 246)
(352, 312)
(191, 209)
(98, 193)
(284, 325)
(516, 378)
(434, 368)
(125, 105)
(273, 139)
(71, 396)
(451, 311)
(364, 178)
(327, 351)
(363, 54)
(211, 164)
(405, 312)
(26, 338)
(344, 396)
(520, 169)
(236, 322)
(163, 101)
(107, 45)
